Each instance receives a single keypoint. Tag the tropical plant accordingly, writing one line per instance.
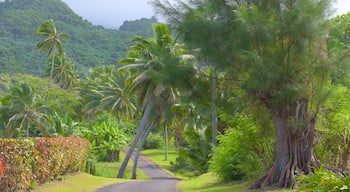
(107, 89)
(276, 52)
(195, 152)
(63, 73)
(158, 71)
(50, 43)
(25, 111)
(323, 180)
(240, 154)
(333, 129)
(107, 138)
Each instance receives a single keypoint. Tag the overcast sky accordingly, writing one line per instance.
(112, 13)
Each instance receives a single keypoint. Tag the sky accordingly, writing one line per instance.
(112, 13)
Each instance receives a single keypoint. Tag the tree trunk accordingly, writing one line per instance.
(137, 154)
(345, 156)
(27, 128)
(166, 147)
(214, 115)
(140, 130)
(294, 132)
(51, 72)
(113, 156)
(178, 136)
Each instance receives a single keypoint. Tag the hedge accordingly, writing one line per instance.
(29, 162)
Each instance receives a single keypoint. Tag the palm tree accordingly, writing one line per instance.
(107, 89)
(24, 110)
(63, 73)
(51, 42)
(158, 71)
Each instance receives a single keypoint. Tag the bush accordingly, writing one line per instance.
(240, 152)
(195, 153)
(323, 181)
(33, 161)
(153, 142)
(107, 137)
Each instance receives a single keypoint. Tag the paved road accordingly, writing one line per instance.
(161, 181)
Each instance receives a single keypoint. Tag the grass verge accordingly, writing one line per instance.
(110, 169)
(106, 173)
(77, 182)
(157, 156)
(209, 183)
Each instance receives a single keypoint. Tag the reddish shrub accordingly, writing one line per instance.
(25, 162)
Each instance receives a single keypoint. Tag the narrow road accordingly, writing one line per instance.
(161, 180)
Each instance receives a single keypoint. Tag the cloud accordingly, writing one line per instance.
(111, 13)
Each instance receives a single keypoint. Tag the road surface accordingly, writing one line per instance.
(161, 180)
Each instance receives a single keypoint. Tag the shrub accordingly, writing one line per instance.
(33, 161)
(240, 151)
(153, 142)
(107, 137)
(323, 181)
(195, 153)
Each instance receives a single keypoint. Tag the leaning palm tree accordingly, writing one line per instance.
(158, 71)
(49, 44)
(25, 110)
(63, 73)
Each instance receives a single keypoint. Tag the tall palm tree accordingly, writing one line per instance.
(158, 70)
(63, 73)
(49, 44)
(25, 110)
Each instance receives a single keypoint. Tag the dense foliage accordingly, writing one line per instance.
(260, 66)
(323, 181)
(107, 137)
(240, 153)
(33, 161)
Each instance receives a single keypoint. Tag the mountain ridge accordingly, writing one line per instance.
(88, 45)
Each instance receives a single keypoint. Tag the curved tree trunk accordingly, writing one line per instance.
(51, 72)
(140, 130)
(294, 132)
(137, 154)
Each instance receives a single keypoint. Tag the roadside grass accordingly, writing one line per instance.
(210, 183)
(77, 182)
(157, 156)
(105, 174)
(207, 182)
(110, 169)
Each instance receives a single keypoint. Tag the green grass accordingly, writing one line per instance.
(106, 175)
(110, 169)
(207, 182)
(157, 156)
(78, 182)
(210, 183)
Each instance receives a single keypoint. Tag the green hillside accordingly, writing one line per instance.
(88, 45)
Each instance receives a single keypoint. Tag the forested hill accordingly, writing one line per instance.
(87, 46)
